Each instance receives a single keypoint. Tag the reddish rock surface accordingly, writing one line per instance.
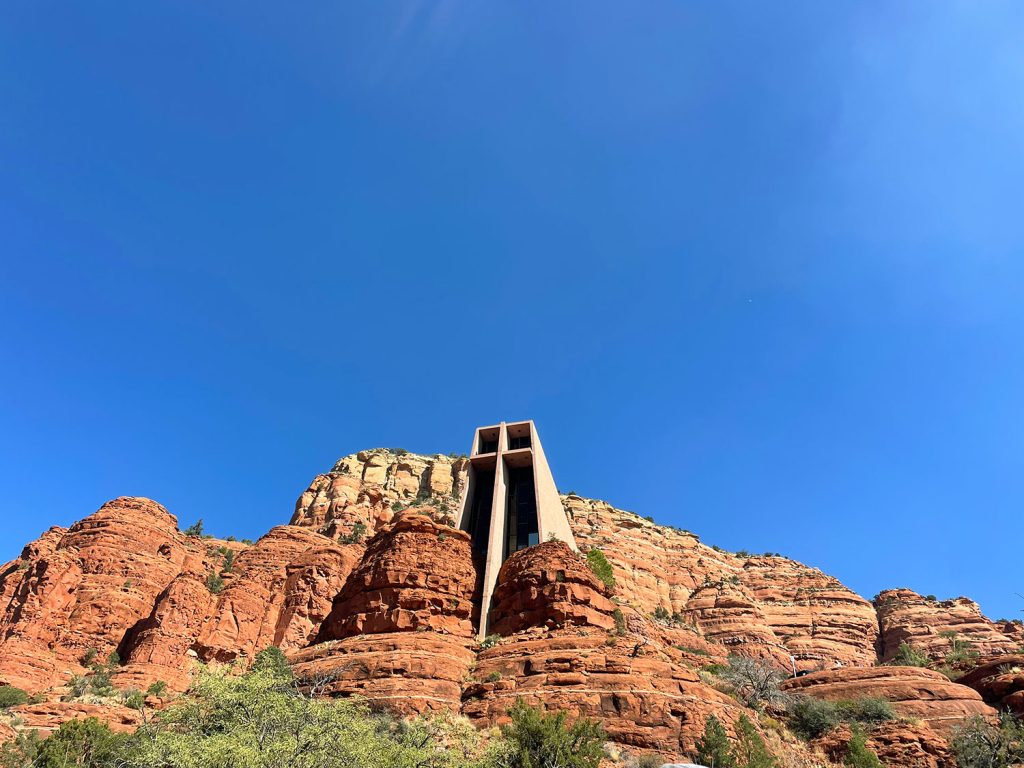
(643, 699)
(549, 586)
(416, 575)
(1000, 681)
(48, 716)
(905, 616)
(407, 672)
(903, 744)
(914, 692)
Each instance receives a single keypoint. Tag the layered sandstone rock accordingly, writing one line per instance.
(48, 716)
(904, 744)
(84, 588)
(549, 586)
(400, 632)
(927, 625)
(416, 575)
(250, 613)
(1000, 681)
(642, 697)
(914, 692)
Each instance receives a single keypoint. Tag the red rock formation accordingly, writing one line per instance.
(1000, 681)
(914, 692)
(903, 744)
(643, 699)
(550, 586)
(85, 588)
(905, 616)
(400, 632)
(416, 575)
(250, 613)
(48, 716)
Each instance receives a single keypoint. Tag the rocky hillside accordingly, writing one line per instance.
(371, 591)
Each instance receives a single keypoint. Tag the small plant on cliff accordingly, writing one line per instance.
(196, 529)
(599, 564)
(214, 583)
(620, 622)
(494, 677)
(647, 761)
(811, 718)
(356, 535)
(11, 696)
(489, 642)
(397, 506)
(662, 614)
(909, 656)
(713, 747)
(857, 753)
(961, 653)
(751, 751)
(536, 739)
(157, 688)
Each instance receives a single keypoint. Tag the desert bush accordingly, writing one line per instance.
(215, 583)
(810, 718)
(754, 682)
(11, 696)
(536, 739)
(601, 567)
(857, 753)
(909, 656)
(978, 743)
(713, 747)
(751, 751)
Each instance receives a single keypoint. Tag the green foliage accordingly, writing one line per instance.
(620, 622)
(857, 753)
(961, 653)
(133, 698)
(536, 739)
(272, 660)
(661, 614)
(742, 553)
(979, 744)
(229, 559)
(397, 506)
(89, 657)
(713, 748)
(214, 583)
(648, 518)
(908, 656)
(494, 677)
(751, 751)
(869, 711)
(21, 751)
(157, 688)
(601, 567)
(86, 743)
(489, 642)
(811, 718)
(648, 761)
(399, 451)
(11, 696)
(356, 535)
(196, 529)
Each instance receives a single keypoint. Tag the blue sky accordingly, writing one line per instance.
(755, 269)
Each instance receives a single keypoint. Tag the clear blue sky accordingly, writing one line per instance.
(754, 268)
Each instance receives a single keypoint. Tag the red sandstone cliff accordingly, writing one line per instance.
(371, 592)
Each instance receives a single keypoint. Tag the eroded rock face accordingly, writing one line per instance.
(416, 575)
(917, 693)
(84, 588)
(548, 586)
(905, 616)
(642, 697)
(904, 744)
(1000, 681)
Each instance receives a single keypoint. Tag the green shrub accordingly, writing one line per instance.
(908, 656)
(494, 677)
(537, 739)
(648, 761)
(196, 529)
(751, 751)
(157, 688)
(87, 743)
(11, 696)
(857, 753)
(870, 711)
(397, 506)
(810, 718)
(356, 535)
(272, 660)
(713, 747)
(661, 614)
(490, 641)
(601, 567)
(214, 583)
(620, 622)
(977, 743)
